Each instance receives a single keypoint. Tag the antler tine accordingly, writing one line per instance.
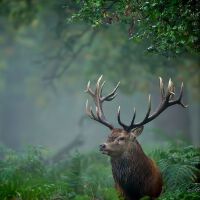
(101, 88)
(92, 116)
(112, 95)
(97, 91)
(98, 100)
(180, 97)
(87, 108)
(181, 92)
(170, 90)
(162, 90)
(179, 100)
(89, 90)
(126, 127)
(149, 108)
(134, 115)
(119, 119)
(132, 125)
(89, 111)
(98, 113)
(166, 101)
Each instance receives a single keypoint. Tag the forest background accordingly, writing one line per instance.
(50, 49)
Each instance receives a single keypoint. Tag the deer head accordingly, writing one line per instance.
(122, 140)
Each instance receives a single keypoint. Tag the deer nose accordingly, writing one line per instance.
(102, 146)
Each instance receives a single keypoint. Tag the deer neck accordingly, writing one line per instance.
(131, 168)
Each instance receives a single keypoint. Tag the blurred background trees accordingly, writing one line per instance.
(50, 49)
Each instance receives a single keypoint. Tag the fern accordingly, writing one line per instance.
(176, 176)
(26, 176)
(180, 169)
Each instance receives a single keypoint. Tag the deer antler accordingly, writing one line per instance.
(166, 101)
(98, 100)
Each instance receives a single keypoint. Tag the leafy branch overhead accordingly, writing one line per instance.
(165, 27)
(172, 27)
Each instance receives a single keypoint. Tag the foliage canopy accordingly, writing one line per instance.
(171, 27)
(162, 26)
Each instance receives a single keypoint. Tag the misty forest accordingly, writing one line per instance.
(59, 140)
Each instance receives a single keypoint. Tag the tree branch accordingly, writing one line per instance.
(57, 72)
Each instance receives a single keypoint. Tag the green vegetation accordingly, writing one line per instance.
(63, 55)
(180, 168)
(28, 176)
(158, 27)
(172, 27)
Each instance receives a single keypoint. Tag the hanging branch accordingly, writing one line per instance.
(57, 72)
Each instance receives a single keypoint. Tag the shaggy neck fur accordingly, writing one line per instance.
(131, 171)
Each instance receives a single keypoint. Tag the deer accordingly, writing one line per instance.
(135, 174)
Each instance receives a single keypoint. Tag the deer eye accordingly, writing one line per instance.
(121, 139)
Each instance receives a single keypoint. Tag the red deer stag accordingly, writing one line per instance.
(135, 174)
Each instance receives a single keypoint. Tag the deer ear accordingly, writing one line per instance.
(136, 132)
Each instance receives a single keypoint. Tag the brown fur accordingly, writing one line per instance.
(134, 173)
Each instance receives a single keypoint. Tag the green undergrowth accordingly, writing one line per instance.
(29, 176)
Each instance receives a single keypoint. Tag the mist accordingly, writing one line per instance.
(44, 108)
(54, 145)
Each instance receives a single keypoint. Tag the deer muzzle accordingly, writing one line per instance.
(103, 148)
